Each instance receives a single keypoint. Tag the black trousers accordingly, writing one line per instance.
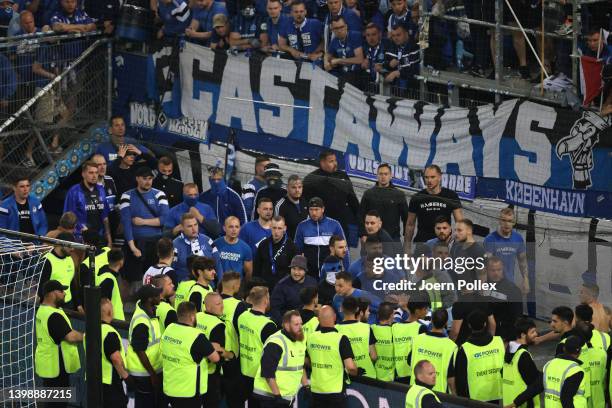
(212, 398)
(231, 383)
(63, 380)
(135, 268)
(195, 402)
(329, 400)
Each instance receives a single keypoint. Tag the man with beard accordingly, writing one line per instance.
(253, 232)
(168, 184)
(281, 372)
(274, 254)
(293, 208)
(443, 231)
(88, 201)
(374, 228)
(54, 333)
(273, 190)
(522, 379)
(506, 299)
(58, 265)
(205, 269)
(286, 293)
(466, 247)
(302, 37)
(144, 360)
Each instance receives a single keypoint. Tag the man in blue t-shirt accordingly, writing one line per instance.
(344, 288)
(201, 28)
(336, 9)
(256, 231)
(273, 23)
(302, 37)
(247, 28)
(70, 19)
(509, 246)
(175, 16)
(234, 254)
(345, 53)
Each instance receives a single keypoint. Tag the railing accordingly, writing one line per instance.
(57, 86)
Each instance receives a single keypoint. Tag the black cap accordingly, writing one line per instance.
(272, 170)
(144, 172)
(573, 344)
(52, 285)
(148, 291)
(316, 202)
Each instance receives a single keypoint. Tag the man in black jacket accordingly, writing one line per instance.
(385, 198)
(274, 254)
(168, 184)
(293, 208)
(336, 190)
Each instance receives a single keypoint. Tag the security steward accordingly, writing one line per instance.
(56, 355)
(360, 336)
(114, 370)
(594, 361)
(165, 313)
(232, 307)
(204, 269)
(439, 350)
(213, 327)
(184, 287)
(144, 361)
(584, 313)
(479, 362)
(254, 328)
(383, 332)
(309, 296)
(420, 395)
(404, 332)
(281, 371)
(522, 381)
(331, 357)
(564, 377)
(59, 266)
(107, 280)
(185, 351)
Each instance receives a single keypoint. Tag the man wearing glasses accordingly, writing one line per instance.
(344, 53)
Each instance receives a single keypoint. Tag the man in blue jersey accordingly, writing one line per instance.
(189, 243)
(250, 189)
(110, 149)
(247, 28)
(143, 210)
(336, 9)
(22, 211)
(276, 19)
(402, 59)
(509, 246)
(400, 14)
(257, 230)
(70, 19)
(175, 16)
(203, 212)
(374, 52)
(234, 254)
(201, 28)
(345, 53)
(344, 288)
(88, 201)
(303, 37)
(313, 234)
(223, 200)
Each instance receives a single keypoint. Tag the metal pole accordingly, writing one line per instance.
(109, 79)
(576, 26)
(93, 340)
(53, 241)
(421, 50)
(499, 52)
(41, 140)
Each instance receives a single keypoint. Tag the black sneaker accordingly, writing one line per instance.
(525, 74)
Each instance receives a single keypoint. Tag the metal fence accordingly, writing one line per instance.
(55, 87)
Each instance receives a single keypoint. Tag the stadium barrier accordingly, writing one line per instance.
(60, 85)
(362, 392)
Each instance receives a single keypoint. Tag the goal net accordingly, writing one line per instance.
(21, 265)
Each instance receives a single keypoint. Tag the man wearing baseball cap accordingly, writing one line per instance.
(286, 293)
(143, 210)
(312, 235)
(220, 35)
(54, 333)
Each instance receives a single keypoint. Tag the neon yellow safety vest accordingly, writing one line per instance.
(310, 326)
(62, 270)
(513, 384)
(289, 371)
(358, 334)
(47, 354)
(555, 373)
(180, 371)
(100, 260)
(403, 333)
(162, 313)
(231, 337)
(594, 361)
(439, 351)
(182, 292)
(250, 326)
(484, 366)
(107, 365)
(197, 288)
(153, 352)
(115, 295)
(206, 323)
(327, 375)
(598, 340)
(435, 297)
(385, 363)
(415, 395)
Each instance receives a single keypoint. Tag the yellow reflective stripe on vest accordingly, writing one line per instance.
(285, 366)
